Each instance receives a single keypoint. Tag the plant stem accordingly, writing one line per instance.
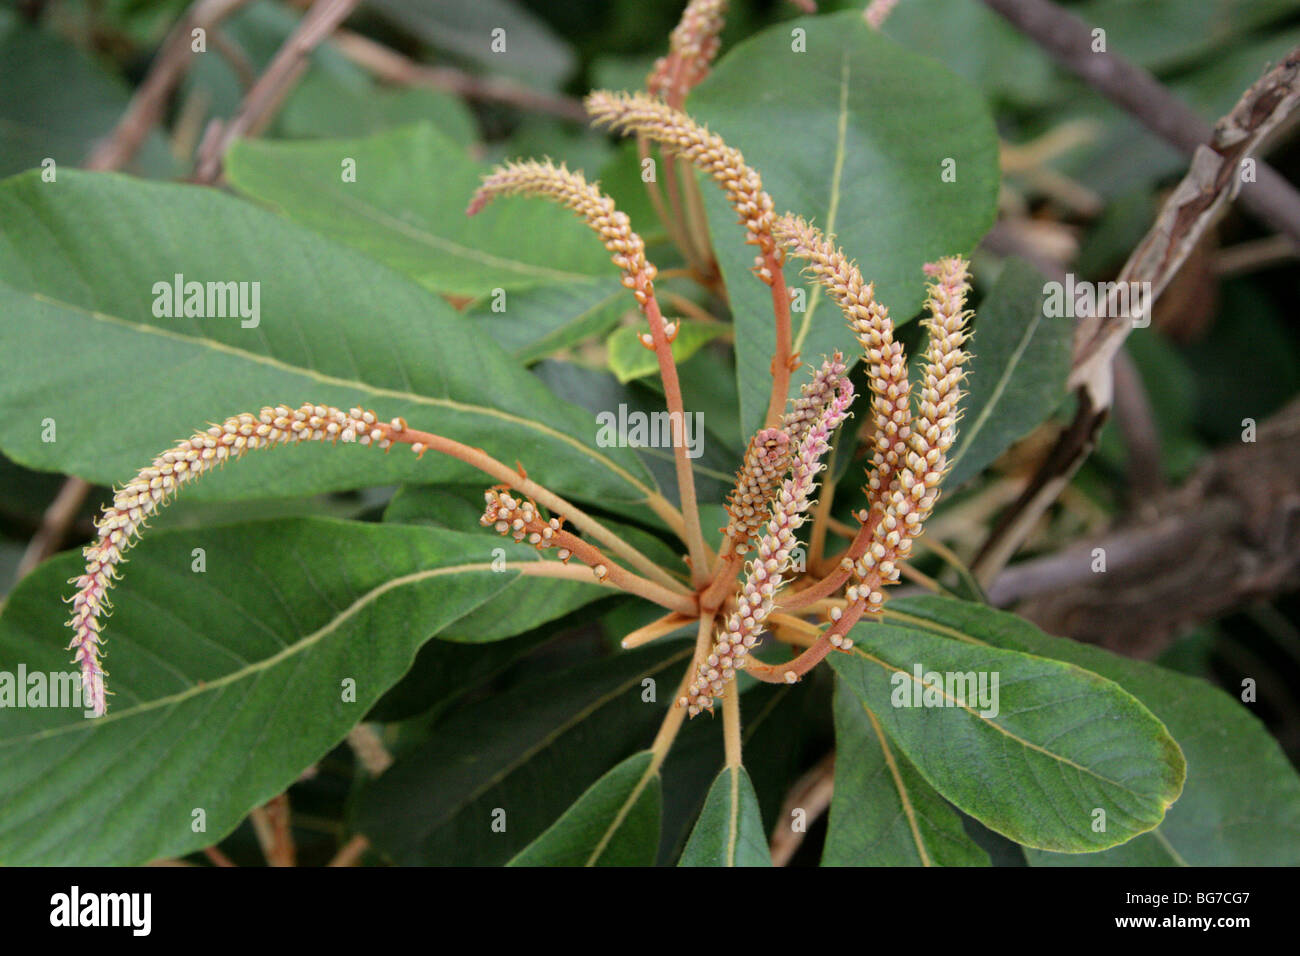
(840, 576)
(724, 580)
(693, 537)
(822, 512)
(672, 722)
(731, 726)
(782, 358)
(592, 556)
(656, 629)
(485, 463)
(792, 670)
(671, 225)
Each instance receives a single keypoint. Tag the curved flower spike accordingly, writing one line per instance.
(678, 133)
(572, 190)
(814, 396)
(691, 48)
(767, 459)
(124, 519)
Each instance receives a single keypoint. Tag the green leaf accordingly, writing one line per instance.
(853, 134)
(729, 831)
(407, 209)
(530, 752)
(324, 105)
(1164, 34)
(78, 263)
(615, 823)
(976, 44)
(533, 52)
(1017, 376)
(227, 683)
(1241, 803)
(56, 104)
(1033, 761)
(883, 813)
(538, 322)
(629, 359)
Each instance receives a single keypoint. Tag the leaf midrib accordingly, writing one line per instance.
(285, 653)
(324, 379)
(833, 206)
(382, 217)
(1027, 744)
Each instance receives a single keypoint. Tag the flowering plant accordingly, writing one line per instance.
(442, 633)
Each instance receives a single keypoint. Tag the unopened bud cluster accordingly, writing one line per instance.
(767, 459)
(519, 518)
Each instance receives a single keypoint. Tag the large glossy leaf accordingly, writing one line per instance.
(615, 823)
(325, 105)
(1017, 376)
(528, 753)
(883, 813)
(1241, 803)
(407, 209)
(729, 831)
(1038, 761)
(854, 134)
(78, 264)
(227, 683)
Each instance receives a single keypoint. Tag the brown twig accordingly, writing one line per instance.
(216, 857)
(812, 794)
(264, 99)
(1198, 201)
(392, 67)
(1228, 536)
(369, 749)
(350, 853)
(150, 99)
(274, 834)
(1069, 41)
(54, 525)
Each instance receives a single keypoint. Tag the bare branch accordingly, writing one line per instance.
(1070, 42)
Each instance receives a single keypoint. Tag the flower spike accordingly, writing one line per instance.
(122, 521)
(916, 490)
(765, 575)
(767, 459)
(678, 133)
(870, 321)
(691, 48)
(572, 190)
